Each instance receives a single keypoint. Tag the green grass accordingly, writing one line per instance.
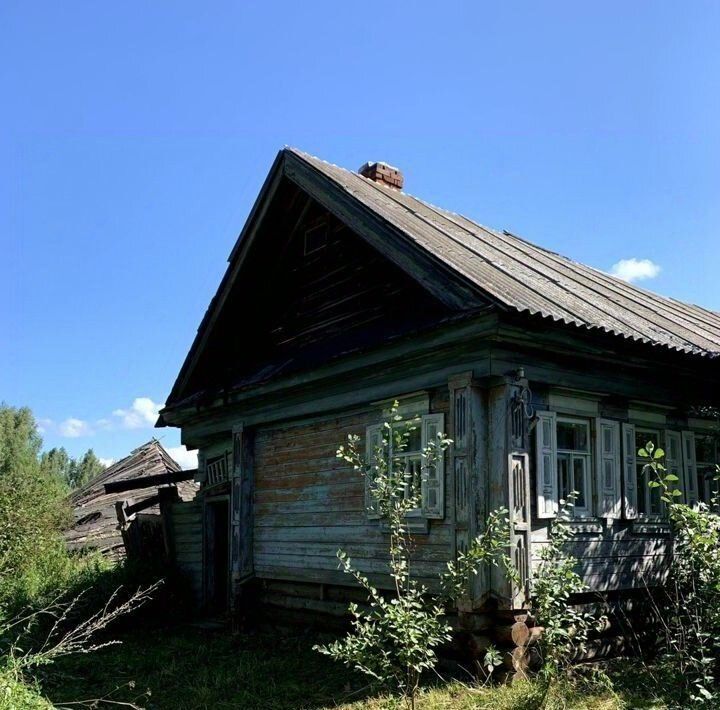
(190, 668)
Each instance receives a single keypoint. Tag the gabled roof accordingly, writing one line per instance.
(96, 523)
(528, 278)
(465, 265)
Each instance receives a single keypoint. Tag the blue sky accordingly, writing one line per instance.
(135, 136)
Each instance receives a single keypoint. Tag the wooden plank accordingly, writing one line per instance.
(141, 505)
(160, 479)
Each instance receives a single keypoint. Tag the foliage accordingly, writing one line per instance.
(16, 692)
(566, 627)
(21, 655)
(33, 510)
(186, 668)
(394, 639)
(75, 473)
(690, 605)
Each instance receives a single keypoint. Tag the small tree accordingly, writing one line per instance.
(690, 611)
(566, 627)
(394, 640)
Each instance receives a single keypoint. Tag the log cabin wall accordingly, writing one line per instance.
(309, 504)
(591, 379)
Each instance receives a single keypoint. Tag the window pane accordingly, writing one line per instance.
(655, 502)
(413, 440)
(705, 449)
(573, 436)
(642, 488)
(579, 482)
(564, 476)
(412, 467)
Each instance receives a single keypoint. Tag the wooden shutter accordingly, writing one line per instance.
(630, 498)
(546, 465)
(608, 466)
(433, 477)
(673, 458)
(689, 468)
(373, 440)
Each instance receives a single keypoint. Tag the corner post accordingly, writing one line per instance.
(242, 488)
(509, 475)
(467, 489)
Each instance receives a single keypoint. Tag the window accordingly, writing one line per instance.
(573, 462)
(419, 476)
(706, 455)
(600, 459)
(315, 238)
(649, 502)
(410, 457)
(563, 464)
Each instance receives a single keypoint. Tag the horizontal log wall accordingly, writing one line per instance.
(613, 558)
(309, 504)
(184, 526)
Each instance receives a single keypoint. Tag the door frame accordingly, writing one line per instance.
(209, 583)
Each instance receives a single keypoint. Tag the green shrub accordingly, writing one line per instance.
(394, 640)
(18, 692)
(690, 604)
(33, 511)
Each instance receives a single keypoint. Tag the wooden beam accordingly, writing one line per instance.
(161, 479)
(141, 505)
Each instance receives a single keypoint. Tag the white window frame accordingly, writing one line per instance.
(547, 454)
(573, 454)
(432, 481)
(412, 458)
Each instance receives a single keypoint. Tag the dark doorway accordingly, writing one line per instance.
(217, 527)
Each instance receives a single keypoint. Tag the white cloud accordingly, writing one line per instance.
(186, 459)
(44, 424)
(143, 413)
(73, 428)
(635, 269)
(106, 462)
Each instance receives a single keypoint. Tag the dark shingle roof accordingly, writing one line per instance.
(524, 277)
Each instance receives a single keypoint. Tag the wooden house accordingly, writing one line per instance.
(100, 506)
(344, 293)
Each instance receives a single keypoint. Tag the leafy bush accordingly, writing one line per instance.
(689, 607)
(33, 511)
(394, 640)
(566, 627)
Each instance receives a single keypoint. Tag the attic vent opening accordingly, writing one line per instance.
(316, 238)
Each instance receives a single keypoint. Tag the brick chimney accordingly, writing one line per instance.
(383, 173)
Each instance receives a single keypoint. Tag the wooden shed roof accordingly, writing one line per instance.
(96, 522)
(466, 265)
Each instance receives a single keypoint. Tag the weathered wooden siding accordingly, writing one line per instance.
(614, 557)
(308, 504)
(184, 522)
(302, 305)
(612, 554)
